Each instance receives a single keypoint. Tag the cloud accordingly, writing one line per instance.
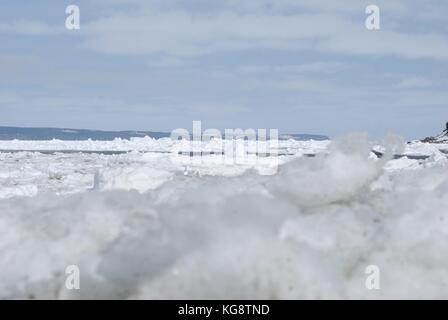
(25, 27)
(414, 82)
(197, 28)
(165, 62)
(292, 85)
(183, 34)
(306, 68)
(434, 46)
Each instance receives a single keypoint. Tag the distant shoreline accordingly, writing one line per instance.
(68, 134)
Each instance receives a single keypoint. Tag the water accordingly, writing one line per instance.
(11, 133)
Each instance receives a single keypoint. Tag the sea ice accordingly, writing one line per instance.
(177, 232)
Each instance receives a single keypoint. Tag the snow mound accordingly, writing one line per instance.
(140, 178)
(18, 191)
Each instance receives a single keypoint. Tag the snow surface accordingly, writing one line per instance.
(146, 164)
(141, 225)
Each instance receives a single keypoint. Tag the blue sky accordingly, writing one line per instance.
(302, 66)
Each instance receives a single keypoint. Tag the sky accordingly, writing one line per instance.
(300, 66)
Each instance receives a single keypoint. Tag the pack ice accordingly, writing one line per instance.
(140, 226)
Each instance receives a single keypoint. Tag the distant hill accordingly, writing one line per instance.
(11, 133)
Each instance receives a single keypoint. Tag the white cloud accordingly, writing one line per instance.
(293, 85)
(434, 46)
(314, 67)
(166, 62)
(29, 28)
(195, 34)
(179, 29)
(414, 82)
